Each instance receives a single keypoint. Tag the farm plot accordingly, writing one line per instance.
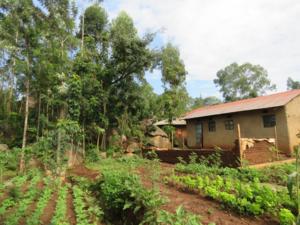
(27, 199)
(245, 191)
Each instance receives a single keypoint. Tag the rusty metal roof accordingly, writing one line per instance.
(262, 102)
(176, 122)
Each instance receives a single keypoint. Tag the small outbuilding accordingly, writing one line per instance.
(180, 129)
(272, 118)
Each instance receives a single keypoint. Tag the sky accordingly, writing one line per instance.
(212, 34)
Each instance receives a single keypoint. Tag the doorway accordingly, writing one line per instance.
(199, 135)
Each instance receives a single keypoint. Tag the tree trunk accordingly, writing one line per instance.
(11, 81)
(83, 141)
(59, 135)
(38, 119)
(22, 161)
(98, 142)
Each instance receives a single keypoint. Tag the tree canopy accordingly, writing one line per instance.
(292, 84)
(243, 81)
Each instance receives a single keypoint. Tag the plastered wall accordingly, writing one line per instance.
(293, 121)
(251, 124)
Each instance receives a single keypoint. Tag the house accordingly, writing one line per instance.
(275, 116)
(180, 129)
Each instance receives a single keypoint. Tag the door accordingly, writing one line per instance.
(199, 135)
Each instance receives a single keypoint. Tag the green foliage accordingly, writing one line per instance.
(123, 197)
(286, 217)
(243, 81)
(60, 213)
(83, 211)
(246, 198)
(292, 84)
(180, 217)
(24, 203)
(173, 69)
(200, 101)
(74, 96)
(34, 218)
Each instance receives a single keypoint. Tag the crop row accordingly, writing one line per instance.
(276, 174)
(246, 198)
(60, 213)
(34, 219)
(23, 204)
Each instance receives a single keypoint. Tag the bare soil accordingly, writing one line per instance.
(209, 210)
(70, 209)
(81, 170)
(49, 210)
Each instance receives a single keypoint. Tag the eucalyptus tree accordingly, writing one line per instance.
(292, 84)
(174, 99)
(243, 81)
(25, 38)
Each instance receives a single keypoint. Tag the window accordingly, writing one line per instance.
(269, 120)
(229, 125)
(211, 126)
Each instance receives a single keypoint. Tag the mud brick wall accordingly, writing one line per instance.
(229, 158)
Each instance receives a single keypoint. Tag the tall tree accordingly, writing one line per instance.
(173, 77)
(243, 81)
(172, 66)
(292, 84)
(27, 24)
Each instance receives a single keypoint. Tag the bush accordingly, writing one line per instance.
(286, 217)
(92, 154)
(123, 198)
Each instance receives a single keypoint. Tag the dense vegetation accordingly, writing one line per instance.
(73, 87)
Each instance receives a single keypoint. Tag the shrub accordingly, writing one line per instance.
(123, 197)
(286, 217)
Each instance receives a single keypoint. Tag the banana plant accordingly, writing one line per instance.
(294, 183)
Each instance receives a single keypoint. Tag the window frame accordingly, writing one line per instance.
(229, 124)
(269, 120)
(212, 126)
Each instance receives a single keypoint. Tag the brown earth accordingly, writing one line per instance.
(209, 210)
(70, 209)
(49, 210)
(82, 171)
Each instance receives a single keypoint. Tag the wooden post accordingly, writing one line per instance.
(275, 133)
(239, 142)
(276, 142)
(172, 139)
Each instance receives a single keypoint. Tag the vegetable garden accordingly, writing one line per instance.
(133, 190)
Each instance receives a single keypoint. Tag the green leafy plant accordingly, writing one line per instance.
(286, 217)
(294, 183)
(122, 196)
(180, 217)
(34, 219)
(59, 217)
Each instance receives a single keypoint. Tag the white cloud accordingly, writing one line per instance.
(211, 34)
(214, 33)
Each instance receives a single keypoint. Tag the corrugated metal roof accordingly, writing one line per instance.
(177, 121)
(262, 102)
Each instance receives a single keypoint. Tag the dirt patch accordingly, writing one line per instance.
(208, 210)
(70, 209)
(82, 171)
(49, 210)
